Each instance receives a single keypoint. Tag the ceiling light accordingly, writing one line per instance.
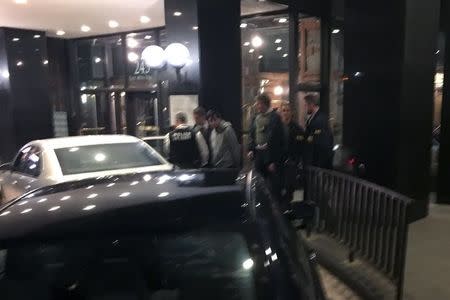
(147, 37)
(19, 63)
(278, 90)
(21, 1)
(144, 19)
(133, 57)
(113, 24)
(279, 48)
(285, 55)
(36, 36)
(60, 32)
(277, 41)
(45, 62)
(5, 74)
(85, 28)
(257, 41)
(132, 43)
(336, 31)
(195, 28)
(251, 50)
(247, 44)
(97, 60)
(243, 25)
(260, 57)
(177, 13)
(282, 20)
(15, 39)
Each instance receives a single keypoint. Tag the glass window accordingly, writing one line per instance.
(196, 265)
(140, 75)
(100, 63)
(265, 62)
(96, 158)
(309, 56)
(28, 161)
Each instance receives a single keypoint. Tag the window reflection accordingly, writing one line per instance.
(140, 75)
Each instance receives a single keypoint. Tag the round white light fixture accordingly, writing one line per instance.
(45, 62)
(85, 28)
(5, 74)
(194, 27)
(144, 19)
(335, 31)
(60, 32)
(113, 24)
(257, 41)
(260, 57)
(177, 13)
(243, 25)
(15, 39)
(36, 36)
(251, 50)
(248, 264)
(133, 56)
(19, 63)
(154, 57)
(278, 90)
(97, 60)
(132, 43)
(282, 20)
(285, 55)
(277, 41)
(147, 37)
(246, 44)
(279, 48)
(177, 55)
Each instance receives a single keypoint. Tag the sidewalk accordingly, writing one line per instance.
(428, 256)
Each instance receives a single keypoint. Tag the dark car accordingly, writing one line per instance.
(191, 235)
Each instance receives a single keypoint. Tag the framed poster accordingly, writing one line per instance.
(183, 103)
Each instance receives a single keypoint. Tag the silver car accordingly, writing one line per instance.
(46, 162)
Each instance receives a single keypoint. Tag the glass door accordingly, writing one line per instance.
(142, 113)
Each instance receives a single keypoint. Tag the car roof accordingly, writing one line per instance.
(76, 141)
(67, 207)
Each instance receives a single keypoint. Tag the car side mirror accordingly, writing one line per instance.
(6, 167)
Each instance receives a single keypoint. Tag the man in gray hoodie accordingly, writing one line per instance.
(225, 150)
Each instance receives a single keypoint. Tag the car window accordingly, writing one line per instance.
(199, 265)
(28, 161)
(96, 158)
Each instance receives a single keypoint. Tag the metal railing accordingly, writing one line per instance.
(369, 220)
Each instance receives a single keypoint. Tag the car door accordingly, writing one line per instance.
(24, 174)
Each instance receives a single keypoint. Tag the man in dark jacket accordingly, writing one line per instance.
(266, 143)
(201, 123)
(318, 136)
(186, 148)
(225, 151)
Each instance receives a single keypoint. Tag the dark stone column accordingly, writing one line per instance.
(443, 180)
(26, 109)
(220, 58)
(389, 59)
(215, 71)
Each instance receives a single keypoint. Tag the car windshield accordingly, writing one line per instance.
(196, 265)
(106, 157)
